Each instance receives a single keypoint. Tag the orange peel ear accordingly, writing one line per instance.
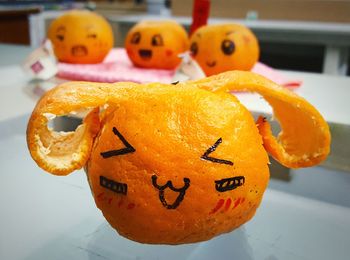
(60, 153)
(304, 139)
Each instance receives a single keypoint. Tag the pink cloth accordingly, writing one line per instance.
(275, 76)
(118, 67)
(115, 67)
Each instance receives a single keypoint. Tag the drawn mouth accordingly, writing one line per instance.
(145, 54)
(229, 183)
(114, 186)
(169, 185)
(211, 64)
(79, 50)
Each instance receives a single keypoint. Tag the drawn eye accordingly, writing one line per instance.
(228, 184)
(194, 49)
(92, 35)
(60, 37)
(136, 37)
(117, 187)
(127, 149)
(211, 149)
(227, 47)
(157, 40)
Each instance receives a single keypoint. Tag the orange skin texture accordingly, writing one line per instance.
(170, 128)
(210, 55)
(81, 37)
(174, 153)
(156, 44)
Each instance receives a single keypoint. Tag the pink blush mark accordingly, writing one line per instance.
(237, 202)
(219, 204)
(228, 204)
(131, 206)
(168, 52)
(100, 195)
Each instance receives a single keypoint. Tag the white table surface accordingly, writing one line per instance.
(329, 94)
(50, 217)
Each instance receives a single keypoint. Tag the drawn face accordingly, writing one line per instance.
(156, 44)
(219, 48)
(81, 37)
(158, 173)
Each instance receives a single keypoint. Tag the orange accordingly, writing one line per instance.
(156, 44)
(80, 36)
(175, 164)
(222, 47)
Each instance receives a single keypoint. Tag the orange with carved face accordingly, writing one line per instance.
(176, 164)
(156, 44)
(81, 37)
(223, 47)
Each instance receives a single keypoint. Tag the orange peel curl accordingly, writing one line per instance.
(304, 139)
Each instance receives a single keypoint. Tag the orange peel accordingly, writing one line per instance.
(305, 137)
(175, 164)
(60, 153)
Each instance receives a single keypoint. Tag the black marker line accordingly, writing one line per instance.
(169, 185)
(128, 147)
(228, 184)
(212, 159)
(114, 186)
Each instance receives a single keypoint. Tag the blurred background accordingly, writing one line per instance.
(302, 35)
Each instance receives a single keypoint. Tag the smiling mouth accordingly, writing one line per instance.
(169, 185)
(145, 54)
(114, 186)
(79, 51)
(229, 183)
(211, 64)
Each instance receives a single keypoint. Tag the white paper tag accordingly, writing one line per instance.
(41, 63)
(188, 69)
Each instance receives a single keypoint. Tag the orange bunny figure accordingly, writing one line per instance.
(176, 164)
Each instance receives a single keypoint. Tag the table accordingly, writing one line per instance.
(50, 217)
(334, 36)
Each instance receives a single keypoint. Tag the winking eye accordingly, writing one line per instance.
(128, 147)
(211, 149)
